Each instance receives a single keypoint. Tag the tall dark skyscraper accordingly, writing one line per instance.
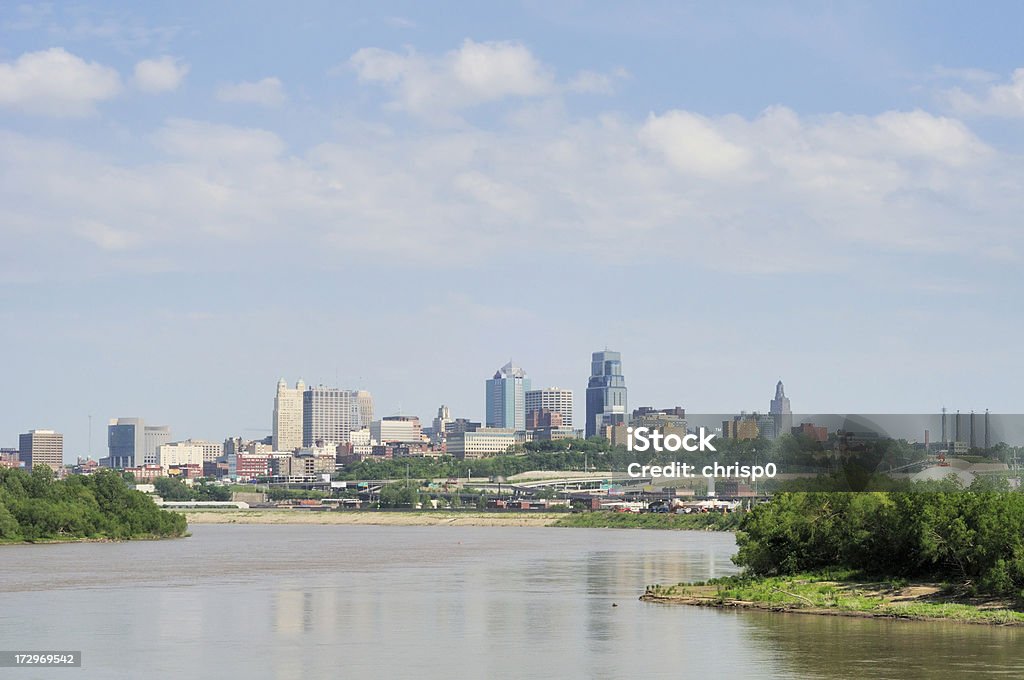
(606, 392)
(780, 411)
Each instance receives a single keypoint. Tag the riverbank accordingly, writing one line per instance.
(98, 539)
(604, 519)
(841, 595)
(387, 518)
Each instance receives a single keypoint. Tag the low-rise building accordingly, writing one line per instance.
(146, 473)
(211, 450)
(305, 462)
(400, 429)
(9, 458)
(249, 465)
(666, 421)
(178, 454)
(482, 442)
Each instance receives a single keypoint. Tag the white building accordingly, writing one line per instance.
(401, 429)
(485, 441)
(361, 441)
(211, 450)
(154, 436)
(330, 414)
(288, 416)
(179, 453)
(553, 399)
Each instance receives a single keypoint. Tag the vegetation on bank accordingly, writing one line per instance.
(173, 489)
(36, 507)
(842, 592)
(830, 552)
(600, 519)
(974, 539)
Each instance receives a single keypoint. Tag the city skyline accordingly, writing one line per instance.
(184, 221)
(359, 413)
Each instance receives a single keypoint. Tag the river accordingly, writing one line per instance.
(310, 602)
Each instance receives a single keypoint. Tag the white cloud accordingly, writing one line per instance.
(692, 144)
(266, 92)
(474, 74)
(593, 82)
(775, 192)
(217, 143)
(1004, 100)
(160, 75)
(104, 236)
(56, 83)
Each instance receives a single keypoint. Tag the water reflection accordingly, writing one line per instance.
(423, 601)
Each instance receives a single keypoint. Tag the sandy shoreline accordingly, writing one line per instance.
(467, 519)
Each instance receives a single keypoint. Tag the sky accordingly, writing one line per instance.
(197, 199)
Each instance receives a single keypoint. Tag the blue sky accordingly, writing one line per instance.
(199, 198)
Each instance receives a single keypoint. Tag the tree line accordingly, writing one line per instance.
(35, 506)
(973, 538)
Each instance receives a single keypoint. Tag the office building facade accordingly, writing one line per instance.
(481, 443)
(287, 430)
(179, 453)
(132, 443)
(555, 400)
(396, 429)
(41, 447)
(505, 399)
(606, 392)
(329, 414)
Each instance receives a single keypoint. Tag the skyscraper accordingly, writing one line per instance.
(780, 411)
(288, 416)
(606, 392)
(41, 447)
(330, 414)
(553, 399)
(365, 401)
(506, 398)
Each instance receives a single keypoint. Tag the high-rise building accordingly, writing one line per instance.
(365, 401)
(154, 436)
(441, 420)
(555, 400)
(132, 443)
(606, 392)
(288, 416)
(41, 447)
(780, 411)
(506, 398)
(330, 414)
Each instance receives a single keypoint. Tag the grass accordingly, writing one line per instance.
(711, 521)
(843, 592)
